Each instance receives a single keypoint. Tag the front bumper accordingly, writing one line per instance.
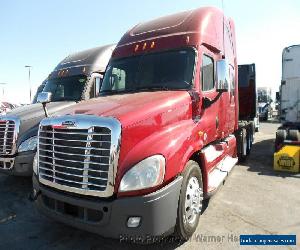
(20, 165)
(108, 218)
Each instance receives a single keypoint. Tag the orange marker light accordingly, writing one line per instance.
(152, 45)
(136, 48)
(144, 46)
(187, 39)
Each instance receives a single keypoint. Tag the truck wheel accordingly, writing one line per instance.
(280, 138)
(266, 116)
(242, 147)
(190, 201)
(294, 135)
(250, 140)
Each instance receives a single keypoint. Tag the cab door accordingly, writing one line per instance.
(210, 113)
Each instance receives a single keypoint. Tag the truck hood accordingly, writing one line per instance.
(134, 107)
(145, 117)
(31, 115)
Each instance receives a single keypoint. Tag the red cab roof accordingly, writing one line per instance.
(188, 28)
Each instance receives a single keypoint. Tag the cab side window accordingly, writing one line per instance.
(207, 71)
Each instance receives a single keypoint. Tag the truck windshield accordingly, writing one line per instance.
(66, 88)
(171, 70)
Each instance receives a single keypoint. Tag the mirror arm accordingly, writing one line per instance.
(45, 109)
(208, 102)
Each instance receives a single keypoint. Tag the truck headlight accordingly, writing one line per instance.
(35, 164)
(29, 144)
(147, 173)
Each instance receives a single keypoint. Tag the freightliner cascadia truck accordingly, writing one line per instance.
(289, 99)
(163, 135)
(74, 79)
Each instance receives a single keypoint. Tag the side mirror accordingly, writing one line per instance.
(222, 76)
(113, 80)
(44, 97)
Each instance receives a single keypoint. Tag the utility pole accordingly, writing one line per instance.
(3, 83)
(29, 67)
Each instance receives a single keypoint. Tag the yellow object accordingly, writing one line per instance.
(287, 159)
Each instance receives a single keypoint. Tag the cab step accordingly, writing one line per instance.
(217, 176)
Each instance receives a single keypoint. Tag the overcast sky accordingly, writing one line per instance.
(42, 33)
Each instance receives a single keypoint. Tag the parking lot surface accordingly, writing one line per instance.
(254, 200)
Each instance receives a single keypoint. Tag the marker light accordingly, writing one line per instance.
(152, 45)
(187, 39)
(136, 48)
(144, 46)
(83, 69)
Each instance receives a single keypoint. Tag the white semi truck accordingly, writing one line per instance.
(289, 98)
(264, 96)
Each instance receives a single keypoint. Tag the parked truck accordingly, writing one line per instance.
(164, 134)
(75, 78)
(265, 109)
(248, 101)
(289, 99)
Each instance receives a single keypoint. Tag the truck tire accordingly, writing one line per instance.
(266, 116)
(242, 145)
(250, 139)
(190, 201)
(280, 138)
(293, 135)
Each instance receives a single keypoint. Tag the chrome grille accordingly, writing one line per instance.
(78, 159)
(7, 131)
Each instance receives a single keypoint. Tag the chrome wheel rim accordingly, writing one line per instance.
(193, 201)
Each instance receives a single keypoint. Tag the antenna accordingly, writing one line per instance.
(223, 56)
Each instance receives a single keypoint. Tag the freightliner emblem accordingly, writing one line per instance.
(69, 123)
(65, 124)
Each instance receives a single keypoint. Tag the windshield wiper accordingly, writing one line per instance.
(135, 90)
(109, 91)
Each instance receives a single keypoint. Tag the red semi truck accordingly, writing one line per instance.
(163, 135)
